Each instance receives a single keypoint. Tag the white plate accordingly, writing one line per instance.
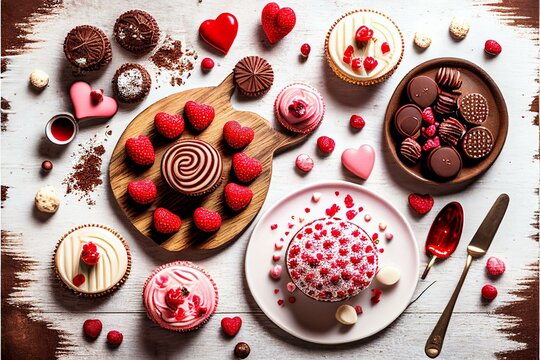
(312, 320)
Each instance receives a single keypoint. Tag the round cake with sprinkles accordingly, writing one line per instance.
(330, 259)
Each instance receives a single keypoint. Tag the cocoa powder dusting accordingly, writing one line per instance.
(172, 63)
(6, 106)
(4, 194)
(86, 174)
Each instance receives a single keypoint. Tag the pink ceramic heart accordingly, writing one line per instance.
(359, 162)
(85, 108)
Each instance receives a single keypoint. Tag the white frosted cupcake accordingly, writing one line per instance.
(364, 47)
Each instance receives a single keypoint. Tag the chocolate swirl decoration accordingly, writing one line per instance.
(192, 167)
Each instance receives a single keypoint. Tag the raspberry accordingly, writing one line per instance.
(357, 122)
(305, 49)
(431, 144)
(489, 292)
(92, 328)
(96, 96)
(427, 116)
(492, 47)
(115, 337)
(495, 266)
(326, 144)
(207, 64)
(430, 131)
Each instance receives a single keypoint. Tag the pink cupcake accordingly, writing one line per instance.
(180, 296)
(299, 108)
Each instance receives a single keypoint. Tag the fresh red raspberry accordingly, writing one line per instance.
(96, 96)
(427, 116)
(207, 64)
(115, 337)
(492, 47)
(495, 266)
(92, 328)
(429, 131)
(489, 292)
(142, 191)
(305, 49)
(431, 144)
(326, 144)
(357, 122)
(166, 222)
(206, 220)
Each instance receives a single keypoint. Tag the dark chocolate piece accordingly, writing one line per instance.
(446, 103)
(477, 142)
(410, 150)
(474, 108)
(444, 162)
(136, 31)
(253, 76)
(451, 131)
(87, 48)
(408, 121)
(422, 90)
(131, 83)
(449, 78)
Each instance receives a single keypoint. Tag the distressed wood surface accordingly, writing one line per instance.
(478, 330)
(266, 142)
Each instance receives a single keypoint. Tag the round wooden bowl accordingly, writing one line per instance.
(475, 79)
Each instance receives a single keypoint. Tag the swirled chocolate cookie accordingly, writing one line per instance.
(136, 31)
(192, 167)
(87, 47)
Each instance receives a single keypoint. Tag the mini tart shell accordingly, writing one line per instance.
(108, 291)
(147, 83)
(344, 76)
(180, 263)
(284, 122)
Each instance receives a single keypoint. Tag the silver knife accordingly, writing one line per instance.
(477, 247)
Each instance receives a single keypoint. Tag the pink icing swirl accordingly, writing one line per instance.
(201, 294)
(311, 111)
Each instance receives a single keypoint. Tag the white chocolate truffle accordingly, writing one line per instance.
(388, 275)
(346, 315)
(422, 40)
(47, 200)
(39, 79)
(459, 28)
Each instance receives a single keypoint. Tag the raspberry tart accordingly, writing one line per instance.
(180, 296)
(330, 259)
(364, 47)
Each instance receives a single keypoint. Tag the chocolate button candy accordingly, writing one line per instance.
(408, 121)
(477, 142)
(444, 162)
(422, 91)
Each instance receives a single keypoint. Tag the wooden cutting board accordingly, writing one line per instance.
(121, 171)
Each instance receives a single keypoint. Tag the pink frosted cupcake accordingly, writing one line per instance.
(330, 259)
(299, 108)
(180, 296)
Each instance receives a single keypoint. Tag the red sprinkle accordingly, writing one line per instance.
(276, 291)
(375, 236)
(385, 47)
(351, 214)
(356, 63)
(78, 280)
(349, 202)
(381, 250)
(360, 209)
(358, 309)
(376, 297)
(307, 210)
(290, 225)
(332, 210)
(280, 302)
(273, 226)
(337, 193)
(292, 299)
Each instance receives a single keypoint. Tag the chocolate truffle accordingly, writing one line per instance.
(410, 150)
(477, 143)
(446, 103)
(451, 131)
(408, 121)
(444, 162)
(242, 350)
(192, 167)
(449, 78)
(422, 90)
(253, 76)
(474, 108)
(87, 48)
(131, 83)
(136, 31)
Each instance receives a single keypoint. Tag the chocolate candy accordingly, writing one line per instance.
(444, 162)
(136, 31)
(253, 76)
(87, 48)
(422, 91)
(451, 131)
(477, 142)
(242, 350)
(474, 108)
(449, 77)
(46, 165)
(131, 83)
(446, 103)
(410, 150)
(408, 121)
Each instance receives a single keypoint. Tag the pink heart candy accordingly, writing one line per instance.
(85, 108)
(360, 162)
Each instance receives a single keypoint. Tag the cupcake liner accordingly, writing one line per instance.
(284, 122)
(180, 263)
(343, 76)
(105, 292)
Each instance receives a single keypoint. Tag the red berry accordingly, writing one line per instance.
(495, 266)
(207, 64)
(237, 196)
(349, 51)
(176, 297)
(92, 328)
(304, 162)
(370, 63)
(489, 292)
(422, 204)
(358, 309)
(143, 191)
(206, 220)
(427, 116)
(492, 47)
(347, 59)
(376, 296)
(326, 144)
(231, 326)
(166, 222)
(169, 125)
(140, 150)
(385, 47)
(96, 96)
(363, 34)
(236, 135)
(357, 122)
(115, 337)
(246, 168)
(200, 116)
(89, 254)
(431, 144)
(356, 63)
(305, 49)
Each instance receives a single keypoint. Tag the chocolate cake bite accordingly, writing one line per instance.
(253, 76)
(408, 121)
(87, 48)
(136, 31)
(131, 83)
(422, 90)
(444, 162)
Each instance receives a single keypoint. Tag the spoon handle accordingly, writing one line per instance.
(429, 265)
(435, 341)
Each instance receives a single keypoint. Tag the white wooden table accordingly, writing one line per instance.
(473, 331)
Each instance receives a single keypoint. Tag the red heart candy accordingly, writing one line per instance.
(276, 22)
(422, 204)
(231, 326)
(221, 32)
(86, 108)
